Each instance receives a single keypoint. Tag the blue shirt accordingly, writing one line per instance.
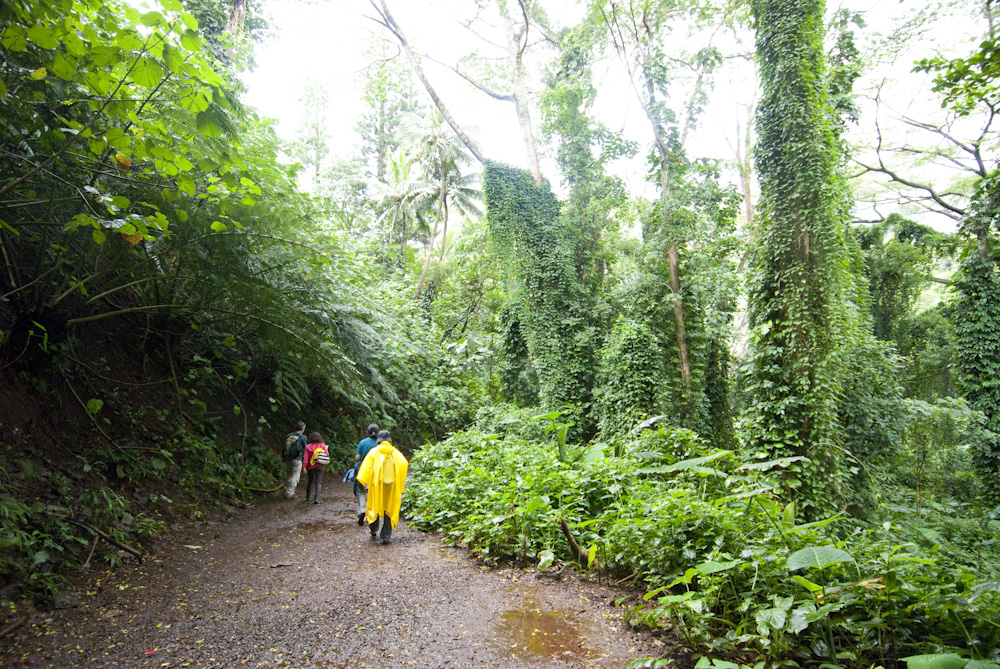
(364, 446)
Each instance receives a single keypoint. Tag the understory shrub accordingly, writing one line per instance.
(719, 558)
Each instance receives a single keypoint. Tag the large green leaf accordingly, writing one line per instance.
(936, 661)
(147, 73)
(710, 567)
(817, 556)
(771, 619)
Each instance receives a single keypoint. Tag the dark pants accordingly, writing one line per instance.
(386, 528)
(314, 477)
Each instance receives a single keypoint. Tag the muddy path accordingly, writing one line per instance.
(290, 584)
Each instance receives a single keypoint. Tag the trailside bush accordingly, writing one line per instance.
(722, 562)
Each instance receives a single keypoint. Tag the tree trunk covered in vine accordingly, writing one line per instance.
(796, 303)
(976, 316)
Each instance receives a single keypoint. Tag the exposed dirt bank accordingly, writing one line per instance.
(289, 584)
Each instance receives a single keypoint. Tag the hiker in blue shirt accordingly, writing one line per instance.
(361, 491)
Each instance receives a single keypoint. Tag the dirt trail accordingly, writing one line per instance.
(289, 584)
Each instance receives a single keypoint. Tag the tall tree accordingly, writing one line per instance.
(796, 303)
(312, 145)
(388, 94)
(441, 154)
(970, 87)
(638, 30)
(388, 21)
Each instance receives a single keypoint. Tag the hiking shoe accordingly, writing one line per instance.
(361, 519)
(386, 542)
(315, 501)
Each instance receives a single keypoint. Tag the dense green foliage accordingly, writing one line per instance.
(566, 368)
(722, 561)
(170, 294)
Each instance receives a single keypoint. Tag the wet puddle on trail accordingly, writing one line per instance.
(530, 631)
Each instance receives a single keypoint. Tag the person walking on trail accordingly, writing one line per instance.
(384, 472)
(295, 445)
(360, 491)
(314, 460)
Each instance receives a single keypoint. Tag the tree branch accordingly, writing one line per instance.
(505, 97)
(389, 23)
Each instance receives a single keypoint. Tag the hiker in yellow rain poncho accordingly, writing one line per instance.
(384, 472)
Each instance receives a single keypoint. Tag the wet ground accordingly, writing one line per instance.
(290, 584)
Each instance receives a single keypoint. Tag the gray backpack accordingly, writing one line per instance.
(289, 452)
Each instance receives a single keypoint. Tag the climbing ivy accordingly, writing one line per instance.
(975, 314)
(630, 381)
(518, 380)
(527, 228)
(795, 305)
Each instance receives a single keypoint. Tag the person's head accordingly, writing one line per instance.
(300, 426)
(315, 438)
(384, 436)
(373, 430)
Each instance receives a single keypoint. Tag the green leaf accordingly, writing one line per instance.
(147, 73)
(99, 236)
(39, 558)
(696, 463)
(185, 184)
(151, 19)
(591, 556)
(931, 535)
(15, 38)
(770, 464)
(64, 66)
(545, 559)
(42, 37)
(771, 619)
(817, 556)
(979, 664)
(38, 74)
(807, 584)
(219, 226)
(94, 405)
(936, 661)
(815, 524)
(208, 123)
(710, 567)
(190, 40)
(105, 56)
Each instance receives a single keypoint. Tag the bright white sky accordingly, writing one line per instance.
(324, 42)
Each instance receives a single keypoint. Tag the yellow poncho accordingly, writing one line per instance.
(383, 498)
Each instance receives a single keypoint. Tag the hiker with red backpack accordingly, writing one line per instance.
(384, 472)
(314, 460)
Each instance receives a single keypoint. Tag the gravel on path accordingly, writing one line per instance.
(290, 584)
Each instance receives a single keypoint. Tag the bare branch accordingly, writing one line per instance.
(971, 150)
(390, 24)
(505, 97)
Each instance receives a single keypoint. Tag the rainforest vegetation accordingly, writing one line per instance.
(762, 391)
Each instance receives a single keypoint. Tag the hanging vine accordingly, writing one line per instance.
(527, 228)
